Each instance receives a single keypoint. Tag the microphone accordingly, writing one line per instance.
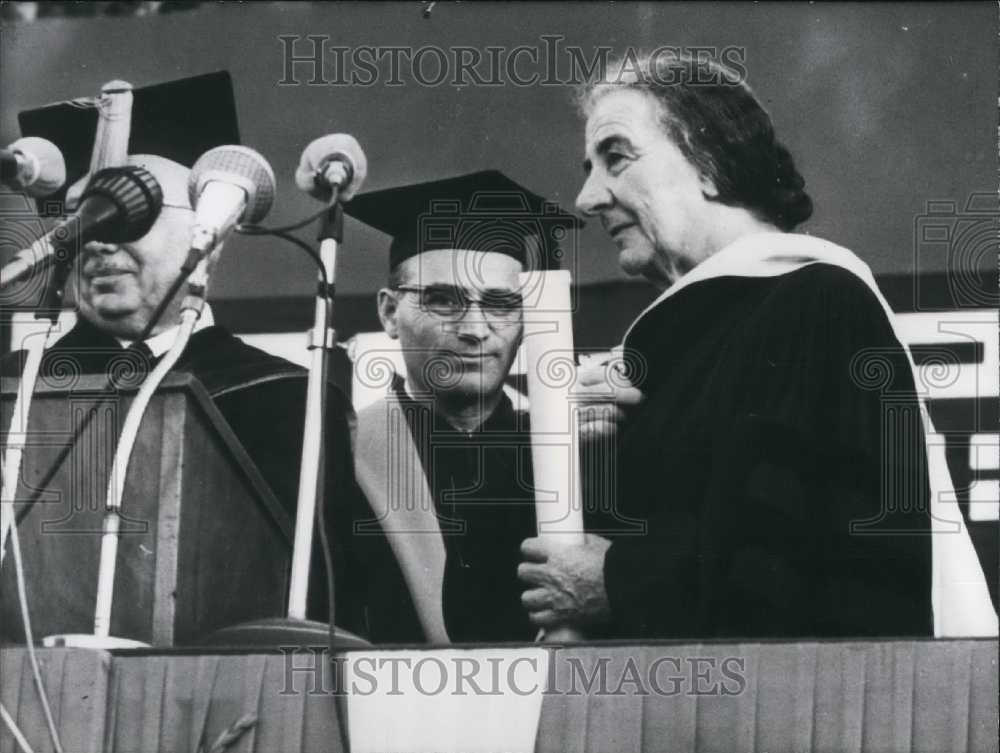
(228, 184)
(33, 165)
(332, 161)
(119, 205)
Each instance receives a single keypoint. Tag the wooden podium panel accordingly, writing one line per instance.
(204, 543)
(78, 685)
(889, 696)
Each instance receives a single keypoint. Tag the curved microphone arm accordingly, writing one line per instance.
(116, 482)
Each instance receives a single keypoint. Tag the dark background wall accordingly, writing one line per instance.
(885, 107)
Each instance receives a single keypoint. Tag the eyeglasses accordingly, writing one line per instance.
(450, 302)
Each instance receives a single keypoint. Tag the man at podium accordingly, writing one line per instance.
(118, 287)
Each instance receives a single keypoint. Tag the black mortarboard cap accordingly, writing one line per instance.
(482, 211)
(179, 120)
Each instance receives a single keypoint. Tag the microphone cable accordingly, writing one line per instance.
(252, 229)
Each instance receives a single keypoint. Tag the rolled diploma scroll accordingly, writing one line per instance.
(551, 372)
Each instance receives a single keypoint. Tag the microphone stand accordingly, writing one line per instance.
(295, 628)
(114, 123)
(322, 341)
(50, 307)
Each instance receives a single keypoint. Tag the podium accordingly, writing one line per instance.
(884, 696)
(204, 542)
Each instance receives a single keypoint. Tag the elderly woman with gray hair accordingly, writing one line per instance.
(780, 460)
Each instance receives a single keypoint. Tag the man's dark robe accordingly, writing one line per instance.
(779, 464)
(481, 483)
(261, 396)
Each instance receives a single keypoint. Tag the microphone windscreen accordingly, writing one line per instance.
(50, 172)
(323, 151)
(240, 166)
(137, 196)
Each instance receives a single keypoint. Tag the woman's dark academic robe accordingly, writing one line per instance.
(263, 399)
(778, 463)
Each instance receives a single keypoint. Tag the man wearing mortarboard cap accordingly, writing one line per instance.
(445, 459)
(119, 286)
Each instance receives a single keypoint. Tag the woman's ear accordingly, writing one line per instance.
(708, 189)
(388, 307)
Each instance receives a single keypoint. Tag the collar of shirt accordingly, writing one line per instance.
(501, 416)
(160, 344)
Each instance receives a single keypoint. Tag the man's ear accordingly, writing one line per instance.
(388, 306)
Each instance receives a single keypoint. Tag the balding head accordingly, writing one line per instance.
(172, 176)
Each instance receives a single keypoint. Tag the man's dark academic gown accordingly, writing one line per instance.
(481, 485)
(263, 399)
(779, 464)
